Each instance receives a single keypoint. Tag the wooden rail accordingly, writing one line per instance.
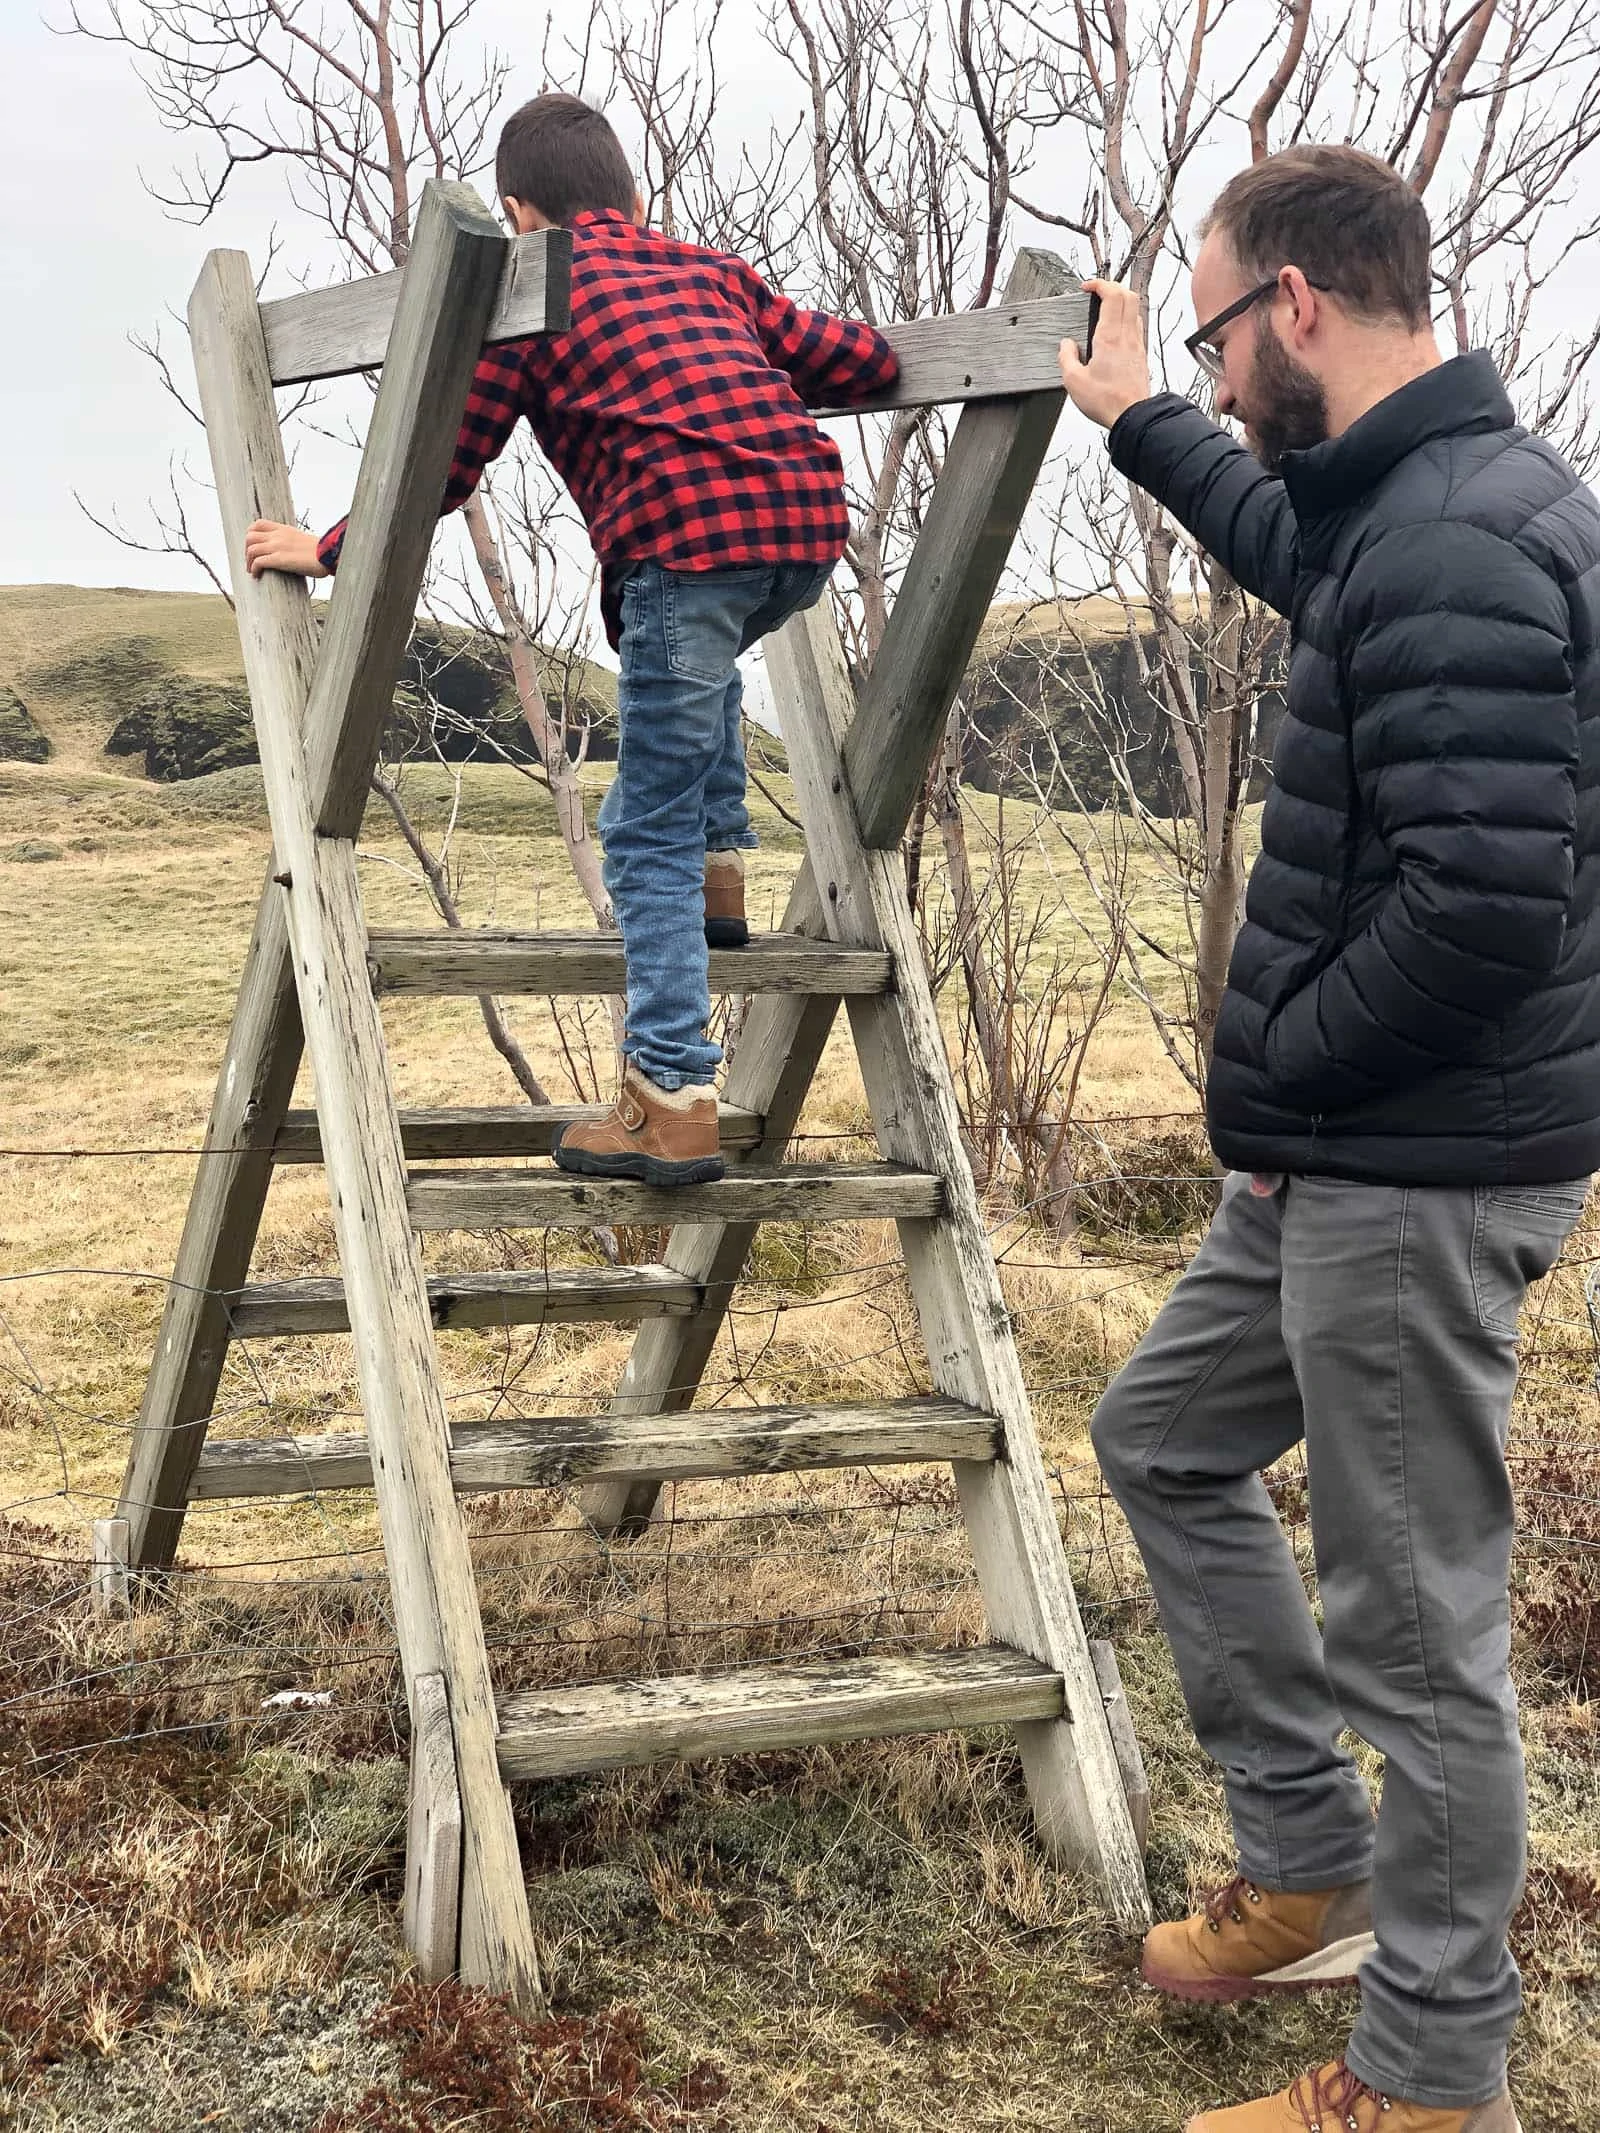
(467, 961)
(553, 1732)
(1000, 353)
(325, 333)
(551, 1451)
(795, 1192)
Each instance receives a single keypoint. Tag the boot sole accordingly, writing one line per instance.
(727, 933)
(642, 1169)
(1200, 2124)
(1326, 1971)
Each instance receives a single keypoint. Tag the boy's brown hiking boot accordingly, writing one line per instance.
(661, 1136)
(1332, 2100)
(1249, 1942)
(725, 919)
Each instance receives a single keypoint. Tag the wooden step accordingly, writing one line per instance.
(446, 960)
(528, 1296)
(451, 1135)
(551, 1450)
(796, 1192)
(559, 1732)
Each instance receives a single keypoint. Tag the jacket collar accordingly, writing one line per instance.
(1461, 398)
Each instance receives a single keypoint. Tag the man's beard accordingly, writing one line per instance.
(1288, 406)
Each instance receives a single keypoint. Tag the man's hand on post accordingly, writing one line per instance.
(1117, 374)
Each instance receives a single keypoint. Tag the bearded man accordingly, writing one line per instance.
(1405, 1088)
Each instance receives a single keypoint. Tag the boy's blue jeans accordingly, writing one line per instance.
(680, 787)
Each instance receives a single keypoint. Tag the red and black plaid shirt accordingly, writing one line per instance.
(674, 409)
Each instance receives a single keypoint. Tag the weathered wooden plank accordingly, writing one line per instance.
(1009, 349)
(444, 1134)
(447, 960)
(552, 1451)
(1135, 1783)
(432, 1914)
(108, 1573)
(1001, 352)
(978, 500)
(312, 792)
(799, 1192)
(524, 1296)
(558, 1732)
(1074, 1780)
(398, 490)
(324, 333)
(972, 517)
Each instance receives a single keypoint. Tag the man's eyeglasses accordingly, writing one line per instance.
(1202, 344)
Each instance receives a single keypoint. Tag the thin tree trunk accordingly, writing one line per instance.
(549, 739)
(445, 903)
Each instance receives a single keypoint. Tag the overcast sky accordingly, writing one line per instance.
(85, 257)
(88, 258)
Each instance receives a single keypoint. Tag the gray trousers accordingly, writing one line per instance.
(1379, 1324)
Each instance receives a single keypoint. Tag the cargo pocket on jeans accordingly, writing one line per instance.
(1517, 1236)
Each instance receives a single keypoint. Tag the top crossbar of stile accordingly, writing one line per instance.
(971, 355)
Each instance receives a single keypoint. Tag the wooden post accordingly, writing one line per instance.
(108, 1576)
(980, 496)
(1073, 1776)
(432, 1917)
(315, 793)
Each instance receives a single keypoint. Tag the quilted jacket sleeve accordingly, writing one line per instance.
(1464, 737)
(1236, 510)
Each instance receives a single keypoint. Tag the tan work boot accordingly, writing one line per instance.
(662, 1136)
(725, 919)
(1332, 2100)
(1249, 1942)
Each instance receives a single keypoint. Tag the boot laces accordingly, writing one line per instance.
(1325, 2101)
(1224, 1903)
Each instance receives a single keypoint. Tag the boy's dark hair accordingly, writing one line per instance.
(559, 154)
(1346, 219)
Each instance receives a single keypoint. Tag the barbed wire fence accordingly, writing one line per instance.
(275, 1620)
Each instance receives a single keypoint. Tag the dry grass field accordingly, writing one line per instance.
(198, 1920)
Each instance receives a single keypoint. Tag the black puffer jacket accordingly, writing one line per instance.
(1413, 996)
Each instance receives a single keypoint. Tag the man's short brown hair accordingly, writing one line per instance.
(1346, 219)
(559, 154)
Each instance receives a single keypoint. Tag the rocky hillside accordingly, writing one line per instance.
(1057, 696)
(153, 682)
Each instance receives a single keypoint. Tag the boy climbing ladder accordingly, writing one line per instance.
(675, 409)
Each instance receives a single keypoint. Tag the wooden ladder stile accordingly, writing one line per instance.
(314, 980)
